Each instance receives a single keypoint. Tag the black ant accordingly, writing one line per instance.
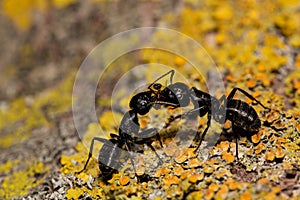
(110, 155)
(241, 114)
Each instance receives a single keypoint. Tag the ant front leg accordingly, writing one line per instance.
(147, 137)
(130, 155)
(204, 133)
(192, 112)
(199, 111)
(234, 90)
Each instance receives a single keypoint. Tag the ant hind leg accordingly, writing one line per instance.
(236, 136)
(234, 90)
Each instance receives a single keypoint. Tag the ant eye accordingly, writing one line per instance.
(157, 86)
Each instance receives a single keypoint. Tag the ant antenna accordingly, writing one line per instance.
(172, 72)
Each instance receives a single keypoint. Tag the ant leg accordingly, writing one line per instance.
(131, 159)
(159, 139)
(152, 148)
(91, 150)
(190, 112)
(172, 72)
(234, 90)
(235, 129)
(114, 136)
(236, 149)
(148, 140)
(205, 131)
(165, 104)
(145, 135)
(198, 112)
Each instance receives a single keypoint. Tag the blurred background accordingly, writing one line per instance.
(45, 41)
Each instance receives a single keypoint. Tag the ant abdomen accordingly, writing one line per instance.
(243, 116)
(109, 156)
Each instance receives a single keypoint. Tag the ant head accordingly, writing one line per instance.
(141, 102)
(157, 86)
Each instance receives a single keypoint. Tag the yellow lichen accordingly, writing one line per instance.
(214, 187)
(5, 168)
(256, 137)
(233, 185)
(251, 83)
(279, 153)
(29, 112)
(18, 183)
(195, 195)
(178, 170)
(74, 193)
(246, 195)
(109, 120)
(162, 171)
(223, 190)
